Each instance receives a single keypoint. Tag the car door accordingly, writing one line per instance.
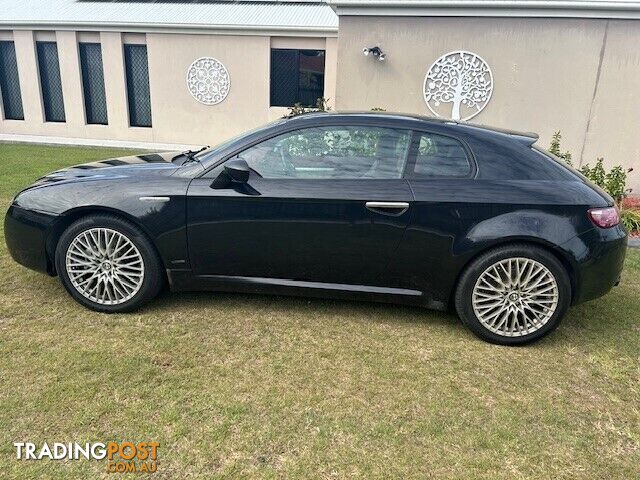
(441, 173)
(322, 204)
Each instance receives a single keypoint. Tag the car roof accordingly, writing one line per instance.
(471, 128)
(367, 114)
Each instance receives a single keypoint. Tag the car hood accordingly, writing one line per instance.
(139, 165)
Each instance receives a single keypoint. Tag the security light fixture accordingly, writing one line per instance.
(376, 52)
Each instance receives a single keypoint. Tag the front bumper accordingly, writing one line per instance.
(26, 233)
(599, 255)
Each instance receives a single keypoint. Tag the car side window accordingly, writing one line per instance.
(440, 156)
(332, 152)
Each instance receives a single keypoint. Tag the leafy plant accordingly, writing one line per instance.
(614, 182)
(597, 174)
(555, 148)
(630, 219)
(322, 105)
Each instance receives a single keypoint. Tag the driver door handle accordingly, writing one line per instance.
(388, 208)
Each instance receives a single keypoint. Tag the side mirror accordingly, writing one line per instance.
(237, 170)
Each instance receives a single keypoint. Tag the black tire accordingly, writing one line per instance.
(153, 279)
(467, 282)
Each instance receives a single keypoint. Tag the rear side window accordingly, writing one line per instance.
(439, 156)
(503, 158)
(561, 171)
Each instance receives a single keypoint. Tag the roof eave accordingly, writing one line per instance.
(490, 8)
(266, 30)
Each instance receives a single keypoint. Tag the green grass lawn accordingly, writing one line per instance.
(239, 386)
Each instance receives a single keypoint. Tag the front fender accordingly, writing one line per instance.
(163, 221)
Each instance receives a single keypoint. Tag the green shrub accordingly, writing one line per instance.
(555, 148)
(322, 105)
(630, 219)
(614, 182)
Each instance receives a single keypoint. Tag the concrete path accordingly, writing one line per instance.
(11, 138)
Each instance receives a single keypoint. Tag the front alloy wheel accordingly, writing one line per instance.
(105, 266)
(108, 264)
(513, 294)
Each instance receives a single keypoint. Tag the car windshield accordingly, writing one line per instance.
(211, 152)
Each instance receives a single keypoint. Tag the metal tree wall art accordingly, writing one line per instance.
(461, 78)
(208, 80)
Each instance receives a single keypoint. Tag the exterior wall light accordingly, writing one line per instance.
(376, 52)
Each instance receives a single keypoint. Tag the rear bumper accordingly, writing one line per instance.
(599, 255)
(26, 237)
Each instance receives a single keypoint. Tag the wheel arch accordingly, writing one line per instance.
(69, 217)
(562, 256)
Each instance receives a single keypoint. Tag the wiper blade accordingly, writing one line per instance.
(191, 154)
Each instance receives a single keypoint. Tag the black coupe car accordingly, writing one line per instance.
(371, 206)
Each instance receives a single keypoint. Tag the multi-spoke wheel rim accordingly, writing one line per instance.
(515, 297)
(104, 266)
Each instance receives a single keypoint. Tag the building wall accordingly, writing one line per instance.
(176, 116)
(579, 76)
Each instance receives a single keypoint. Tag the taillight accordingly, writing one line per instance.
(604, 217)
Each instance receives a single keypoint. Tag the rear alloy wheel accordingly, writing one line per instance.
(513, 295)
(107, 264)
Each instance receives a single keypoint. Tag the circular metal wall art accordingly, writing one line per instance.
(208, 80)
(462, 79)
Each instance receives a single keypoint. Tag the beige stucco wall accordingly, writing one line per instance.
(545, 75)
(176, 116)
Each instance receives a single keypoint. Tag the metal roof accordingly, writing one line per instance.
(622, 9)
(299, 18)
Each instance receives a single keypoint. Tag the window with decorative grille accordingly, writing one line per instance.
(138, 94)
(95, 102)
(10, 82)
(50, 83)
